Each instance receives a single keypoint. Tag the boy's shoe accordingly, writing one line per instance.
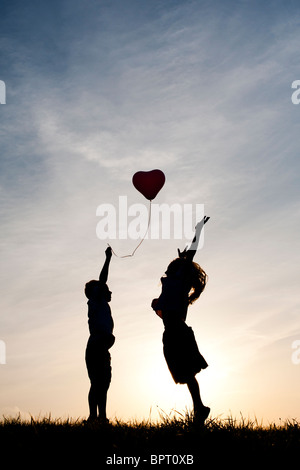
(102, 420)
(201, 415)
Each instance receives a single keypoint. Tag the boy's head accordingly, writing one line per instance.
(96, 290)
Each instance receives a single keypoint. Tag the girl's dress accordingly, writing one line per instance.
(179, 344)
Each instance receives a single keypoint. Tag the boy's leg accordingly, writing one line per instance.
(103, 386)
(92, 399)
(101, 402)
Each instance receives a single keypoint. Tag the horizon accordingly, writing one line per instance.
(205, 93)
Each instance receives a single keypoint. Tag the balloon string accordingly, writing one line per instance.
(128, 256)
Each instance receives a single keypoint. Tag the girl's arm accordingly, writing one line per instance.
(104, 271)
(191, 251)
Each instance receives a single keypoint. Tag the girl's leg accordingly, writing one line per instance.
(201, 412)
(193, 387)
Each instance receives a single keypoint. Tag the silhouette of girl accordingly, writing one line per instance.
(185, 280)
(101, 339)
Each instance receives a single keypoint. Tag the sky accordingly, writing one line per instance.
(96, 91)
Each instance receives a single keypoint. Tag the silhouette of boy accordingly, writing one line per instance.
(185, 280)
(97, 356)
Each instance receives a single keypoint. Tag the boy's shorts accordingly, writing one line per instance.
(98, 363)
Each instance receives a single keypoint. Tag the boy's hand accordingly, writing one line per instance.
(108, 252)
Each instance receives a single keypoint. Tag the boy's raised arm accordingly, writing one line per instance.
(104, 271)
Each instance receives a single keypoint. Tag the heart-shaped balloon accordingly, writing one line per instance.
(149, 183)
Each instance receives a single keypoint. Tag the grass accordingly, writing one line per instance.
(61, 443)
